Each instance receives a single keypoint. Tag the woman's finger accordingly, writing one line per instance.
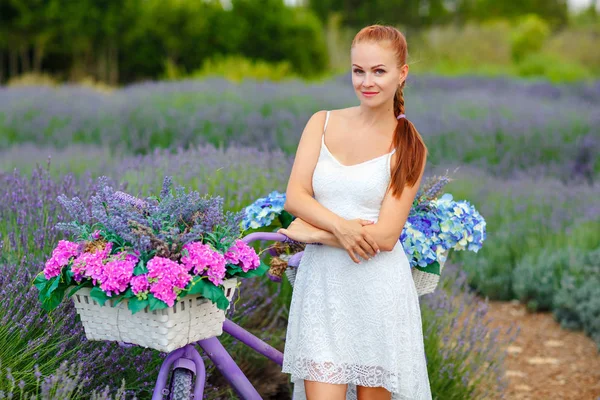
(367, 248)
(372, 243)
(352, 255)
(365, 222)
(361, 252)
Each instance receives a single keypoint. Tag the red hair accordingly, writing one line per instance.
(410, 147)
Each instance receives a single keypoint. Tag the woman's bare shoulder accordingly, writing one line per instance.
(345, 113)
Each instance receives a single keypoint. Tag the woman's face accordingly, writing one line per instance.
(375, 73)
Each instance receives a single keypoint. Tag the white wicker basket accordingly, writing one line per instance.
(424, 282)
(191, 319)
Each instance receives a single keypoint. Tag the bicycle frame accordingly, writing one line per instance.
(188, 357)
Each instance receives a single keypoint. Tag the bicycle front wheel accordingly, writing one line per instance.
(181, 384)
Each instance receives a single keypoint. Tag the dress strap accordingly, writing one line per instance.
(326, 121)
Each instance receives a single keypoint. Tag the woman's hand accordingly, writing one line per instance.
(301, 231)
(355, 239)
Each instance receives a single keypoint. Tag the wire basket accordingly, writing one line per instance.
(426, 282)
(191, 319)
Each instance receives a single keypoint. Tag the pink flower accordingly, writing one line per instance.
(117, 273)
(91, 265)
(61, 256)
(140, 284)
(168, 279)
(243, 255)
(164, 291)
(205, 261)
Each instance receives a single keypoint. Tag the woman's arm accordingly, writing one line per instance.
(392, 218)
(393, 215)
(300, 200)
(301, 203)
(301, 231)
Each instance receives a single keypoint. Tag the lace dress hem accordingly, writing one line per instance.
(335, 373)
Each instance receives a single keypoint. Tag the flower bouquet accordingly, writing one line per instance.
(436, 224)
(262, 214)
(158, 272)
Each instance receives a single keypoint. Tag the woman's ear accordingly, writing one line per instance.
(403, 74)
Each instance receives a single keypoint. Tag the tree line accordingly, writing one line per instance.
(118, 41)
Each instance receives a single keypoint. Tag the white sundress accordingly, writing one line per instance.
(355, 324)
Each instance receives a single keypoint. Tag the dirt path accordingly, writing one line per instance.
(546, 362)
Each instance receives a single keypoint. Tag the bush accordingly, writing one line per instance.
(565, 281)
(32, 79)
(279, 33)
(461, 48)
(487, 276)
(552, 67)
(537, 277)
(579, 307)
(237, 68)
(577, 302)
(577, 46)
(528, 37)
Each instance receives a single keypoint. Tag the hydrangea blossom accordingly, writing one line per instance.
(203, 260)
(91, 265)
(61, 256)
(140, 284)
(263, 211)
(117, 273)
(167, 279)
(463, 226)
(446, 224)
(243, 255)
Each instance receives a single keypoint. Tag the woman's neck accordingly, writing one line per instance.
(376, 116)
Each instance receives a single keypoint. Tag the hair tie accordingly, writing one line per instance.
(401, 116)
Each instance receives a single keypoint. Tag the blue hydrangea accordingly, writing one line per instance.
(263, 211)
(445, 224)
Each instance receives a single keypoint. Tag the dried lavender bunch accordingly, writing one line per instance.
(431, 189)
(157, 224)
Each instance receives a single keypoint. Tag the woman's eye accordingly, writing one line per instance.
(380, 71)
(358, 71)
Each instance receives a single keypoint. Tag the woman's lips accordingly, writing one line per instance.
(369, 94)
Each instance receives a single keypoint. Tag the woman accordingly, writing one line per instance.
(354, 326)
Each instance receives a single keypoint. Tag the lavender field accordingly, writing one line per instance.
(527, 156)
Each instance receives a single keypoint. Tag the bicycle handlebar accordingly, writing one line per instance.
(270, 236)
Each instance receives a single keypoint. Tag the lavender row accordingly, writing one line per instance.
(28, 209)
(502, 126)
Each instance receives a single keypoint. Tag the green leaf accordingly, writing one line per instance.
(117, 300)
(55, 281)
(260, 271)
(285, 218)
(433, 268)
(40, 281)
(98, 295)
(140, 268)
(206, 289)
(222, 303)
(137, 305)
(234, 269)
(197, 286)
(66, 275)
(76, 288)
(156, 304)
(53, 300)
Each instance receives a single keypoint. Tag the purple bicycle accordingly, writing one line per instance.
(186, 367)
